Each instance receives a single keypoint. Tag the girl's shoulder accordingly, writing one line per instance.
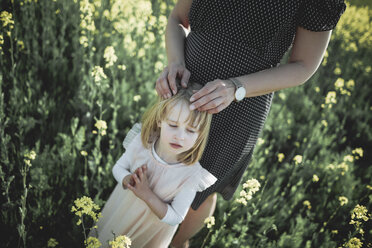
(132, 136)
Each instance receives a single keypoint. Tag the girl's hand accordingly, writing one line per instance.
(141, 185)
(214, 96)
(127, 180)
(166, 83)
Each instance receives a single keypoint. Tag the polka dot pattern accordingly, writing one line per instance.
(234, 38)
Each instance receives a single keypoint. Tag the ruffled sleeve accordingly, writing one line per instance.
(320, 15)
(133, 132)
(204, 180)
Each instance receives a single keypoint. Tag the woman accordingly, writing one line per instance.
(234, 48)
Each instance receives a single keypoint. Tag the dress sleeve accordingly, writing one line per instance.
(205, 180)
(122, 167)
(181, 203)
(320, 15)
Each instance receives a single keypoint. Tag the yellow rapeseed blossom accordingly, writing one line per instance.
(280, 157)
(109, 55)
(136, 98)
(297, 159)
(31, 155)
(350, 84)
(369, 187)
(331, 97)
(101, 125)
(260, 141)
(6, 19)
(339, 83)
(210, 221)
(343, 167)
(121, 241)
(84, 153)
(334, 231)
(358, 151)
(85, 205)
(348, 158)
(343, 200)
(317, 89)
(92, 242)
(337, 71)
(252, 185)
(52, 242)
(360, 212)
(325, 123)
(122, 67)
(307, 204)
(98, 74)
(354, 243)
(315, 178)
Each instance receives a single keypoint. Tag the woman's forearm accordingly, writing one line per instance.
(174, 41)
(276, 78)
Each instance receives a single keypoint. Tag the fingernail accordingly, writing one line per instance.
(192, 107)
(174, 92)
(192, 99)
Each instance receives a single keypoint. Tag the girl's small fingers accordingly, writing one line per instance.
(131, 188)
(135, 178)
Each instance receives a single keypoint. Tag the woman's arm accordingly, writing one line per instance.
(306, 55)
(174, 43)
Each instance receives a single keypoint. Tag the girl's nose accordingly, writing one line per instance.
(181, 135)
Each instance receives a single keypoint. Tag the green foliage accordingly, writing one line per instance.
(59, 77)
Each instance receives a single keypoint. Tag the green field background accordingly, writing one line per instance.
(67, 65)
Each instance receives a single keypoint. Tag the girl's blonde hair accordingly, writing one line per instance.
(159, 111)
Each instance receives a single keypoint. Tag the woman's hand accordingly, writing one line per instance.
(166, 83)
(214, 96)
(141, 185)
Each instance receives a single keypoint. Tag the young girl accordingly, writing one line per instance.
(158, 175)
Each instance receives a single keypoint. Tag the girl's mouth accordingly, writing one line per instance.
(175, 146)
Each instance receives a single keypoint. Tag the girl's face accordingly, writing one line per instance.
(176, 135)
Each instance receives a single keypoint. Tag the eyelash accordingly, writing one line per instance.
(174, 126)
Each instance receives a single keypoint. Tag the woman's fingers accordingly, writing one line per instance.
(213, 104)
(162, 86)
(218, 109)
(185, 77)
(206, 99)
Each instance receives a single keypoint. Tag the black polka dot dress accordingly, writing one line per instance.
(231, 38)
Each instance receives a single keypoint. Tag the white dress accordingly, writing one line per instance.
(175, 184)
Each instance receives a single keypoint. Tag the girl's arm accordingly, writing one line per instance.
(171, 214)
(121, 170)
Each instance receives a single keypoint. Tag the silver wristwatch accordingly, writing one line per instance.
(239, 89)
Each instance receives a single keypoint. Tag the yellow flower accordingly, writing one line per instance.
(280, 157)
(350, 84)
(334, 231)
(242, 201)
(52, 242)
(85, 205)
(84, 153)
(315, 178)
(348, 158)
(98, 74)
(324, 123)
(339, 83)
(298, 159)
(317, 89)
(360, 212)
(252, 185)
(136, 98)
(354, 243)
(343, 200)
(307, 204)
(92, 242)
(31, 155)
(109, 55)
(94, 132)
(101, 125)
(331, 97)
(369, 187)
(260, 141)
(358, 151)
(121, 241)
(337, 71)
(6, 19)
(122, 67)
(210, 221)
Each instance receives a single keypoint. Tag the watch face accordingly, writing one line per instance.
(240, 94)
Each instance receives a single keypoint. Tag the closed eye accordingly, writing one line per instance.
(191, 131)
(172, 125)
